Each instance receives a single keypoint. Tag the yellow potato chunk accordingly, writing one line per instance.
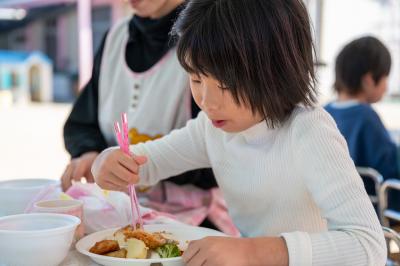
(120, 238)
(136, 249)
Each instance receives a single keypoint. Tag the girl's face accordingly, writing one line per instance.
(152, 8)
(220, 106)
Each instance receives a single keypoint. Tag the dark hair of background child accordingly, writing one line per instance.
(358, 58)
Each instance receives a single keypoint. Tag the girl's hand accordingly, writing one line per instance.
(219, 251)
(227, 251)
(114, 170)
(78, 167)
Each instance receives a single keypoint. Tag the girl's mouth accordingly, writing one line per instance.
(218, 123)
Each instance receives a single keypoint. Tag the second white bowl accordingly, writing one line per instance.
(36, 239)
(15, 195)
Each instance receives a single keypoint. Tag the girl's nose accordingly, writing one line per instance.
(209, 101)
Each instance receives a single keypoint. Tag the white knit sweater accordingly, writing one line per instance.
(297, 181)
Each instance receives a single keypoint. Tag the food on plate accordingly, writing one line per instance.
(131, 243)
(105, 246)
(169, 251)
(117, 254)
(152, 240)
(137, 249)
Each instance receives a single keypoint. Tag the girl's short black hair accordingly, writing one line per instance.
(259, 50)
(358, 58)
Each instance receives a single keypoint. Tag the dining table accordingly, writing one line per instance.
(75, 258)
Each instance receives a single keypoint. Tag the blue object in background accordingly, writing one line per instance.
(6, 80)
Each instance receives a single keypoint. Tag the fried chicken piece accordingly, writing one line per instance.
(126, 229)
(105, 246)
(152, 240)
(118, 254)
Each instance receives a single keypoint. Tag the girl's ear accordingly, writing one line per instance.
(367, 81)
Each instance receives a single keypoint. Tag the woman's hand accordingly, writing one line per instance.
(78, 167)
(227, 251)
(114, 170)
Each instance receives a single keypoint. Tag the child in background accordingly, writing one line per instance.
(281, 163)
(362, 70)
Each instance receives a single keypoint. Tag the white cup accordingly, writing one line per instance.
(71, 207)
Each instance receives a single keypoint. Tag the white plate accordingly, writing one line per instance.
(182, 233)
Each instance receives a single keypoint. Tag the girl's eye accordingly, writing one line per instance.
(196, 81)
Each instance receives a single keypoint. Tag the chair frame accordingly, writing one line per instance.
(376, 178)
(391, 235)
(385, 213)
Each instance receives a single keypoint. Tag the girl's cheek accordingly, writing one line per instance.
(196, 95)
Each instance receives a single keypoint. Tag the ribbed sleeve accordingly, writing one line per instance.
(182, 150)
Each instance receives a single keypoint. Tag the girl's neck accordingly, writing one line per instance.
(166, 8)
(345, 97)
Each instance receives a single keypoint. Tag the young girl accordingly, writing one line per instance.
(284, 169)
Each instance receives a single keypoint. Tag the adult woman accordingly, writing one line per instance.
(135, 71)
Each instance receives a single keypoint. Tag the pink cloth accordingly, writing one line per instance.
(165, 202)
(218, 214)
(191, 205)
(103, 210)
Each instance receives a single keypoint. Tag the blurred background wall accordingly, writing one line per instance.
(47, 48)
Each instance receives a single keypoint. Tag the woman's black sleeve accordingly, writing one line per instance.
(81, 130)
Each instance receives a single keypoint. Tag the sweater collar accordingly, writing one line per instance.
(153, 32)
(258, 134)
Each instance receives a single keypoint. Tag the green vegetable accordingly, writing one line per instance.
(169, 251)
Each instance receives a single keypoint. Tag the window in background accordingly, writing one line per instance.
(50, 38)
(337, 22)
(315, 9)
(15, 40)
(14, 79)
(389, 30)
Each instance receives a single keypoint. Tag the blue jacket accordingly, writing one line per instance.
(367, 138)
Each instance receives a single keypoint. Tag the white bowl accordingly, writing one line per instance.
(36, 239)
(15, 195)
(182, 233)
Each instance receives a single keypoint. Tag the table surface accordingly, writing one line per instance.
(74, 258)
